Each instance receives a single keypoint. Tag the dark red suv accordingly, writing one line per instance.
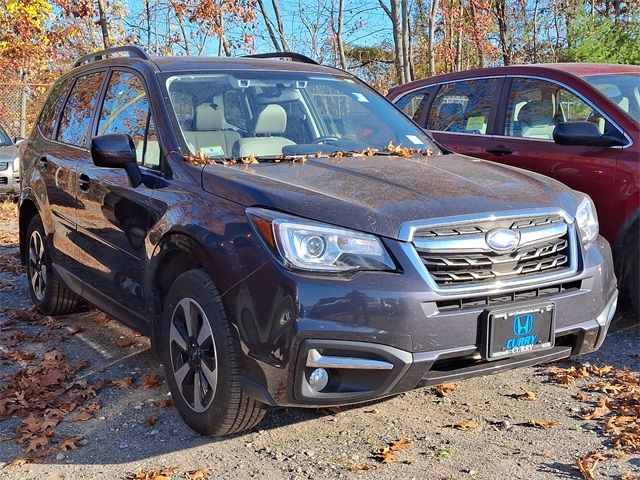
(577, 123)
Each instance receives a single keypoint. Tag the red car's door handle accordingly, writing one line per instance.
(500, 150)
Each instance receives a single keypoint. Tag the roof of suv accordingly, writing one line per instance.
(183, 63)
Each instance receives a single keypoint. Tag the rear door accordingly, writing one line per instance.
(113, 216)
(531, 109)
(462, 114)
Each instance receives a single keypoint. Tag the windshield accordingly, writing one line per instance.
(270, 114)
(5, 140)
(623, 90)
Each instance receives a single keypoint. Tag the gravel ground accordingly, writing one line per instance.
(295, 443)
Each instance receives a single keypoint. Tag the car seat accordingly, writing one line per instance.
(270, 123)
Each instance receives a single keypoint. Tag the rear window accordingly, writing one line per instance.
(75, 124)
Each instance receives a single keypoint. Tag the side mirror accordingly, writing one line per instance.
(116, 151)
(584, 134)
(17, 140)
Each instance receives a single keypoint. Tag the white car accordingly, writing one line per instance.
(9, 165)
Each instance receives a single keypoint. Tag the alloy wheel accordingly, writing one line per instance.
(193, 355)
(37, 265)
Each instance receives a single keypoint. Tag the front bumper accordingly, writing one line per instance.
(390, 318)
(9, 181)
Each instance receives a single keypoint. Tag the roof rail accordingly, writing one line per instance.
(296, 57)
(132, 50)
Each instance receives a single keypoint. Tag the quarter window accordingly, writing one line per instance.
(126, 110)
(75, 123)
(463, 107)
(413, 104)
(52, 108)
(535, 107)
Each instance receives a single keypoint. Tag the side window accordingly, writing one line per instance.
(126, 110)
(463, 107)
(52, 107)
(535, 107)
(414, 103)
(76, 117)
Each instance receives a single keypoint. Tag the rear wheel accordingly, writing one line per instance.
(200, 358)
(47, 292)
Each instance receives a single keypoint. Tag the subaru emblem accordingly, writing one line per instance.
(502, 239)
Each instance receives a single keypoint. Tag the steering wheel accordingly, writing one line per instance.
(326, 139)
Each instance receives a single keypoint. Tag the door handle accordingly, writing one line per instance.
(500, 150)
(43, 163)
(84, 181)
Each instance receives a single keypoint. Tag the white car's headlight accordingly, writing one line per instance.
(16, 164)
(313, 246)
(587, 221)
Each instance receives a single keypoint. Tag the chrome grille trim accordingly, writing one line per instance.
(539, 265)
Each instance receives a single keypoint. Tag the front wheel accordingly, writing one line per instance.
(200, 358)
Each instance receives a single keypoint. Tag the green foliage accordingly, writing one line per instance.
(601, 39)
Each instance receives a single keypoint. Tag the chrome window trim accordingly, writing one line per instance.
(408, 229)
(535, 77)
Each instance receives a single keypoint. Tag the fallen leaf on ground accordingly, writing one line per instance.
(442, 390)
(587, 464)
(68, 443)
(600, 371)
(18, 462)
(151, 420)
(151, 381)
(199, 474)
(75, 330)
(581, 397)
(328, 410)
(469, 424)
(526, 395)
(597, 412)
(102, 320)
(124, 342)
(126, 382)
(543, 424)
(400, 444)
(154, 474)
(385, 455)
(166, 403)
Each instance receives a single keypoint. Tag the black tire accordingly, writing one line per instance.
(50, 297)
(223, 408)
(632, 278)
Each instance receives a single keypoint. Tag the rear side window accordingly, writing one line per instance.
(75, 124)
(413, 104)
(463, 107)
(126, 110)
(52, 107)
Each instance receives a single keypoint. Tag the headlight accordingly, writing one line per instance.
(587, 221)
(4, 166)
(313, 246)
(16, 164)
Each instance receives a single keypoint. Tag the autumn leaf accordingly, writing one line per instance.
(442, 390)
(468, 424)
(151, 420)
(597, 412)
(18, 462)
(154, 474)
(587, 464)
(75, 330)
(385, 455)
(36, 443)
(600, 371)
(526, 395)
(82, 416)
(124, 383)
(68, 443)
(166, 403)
(251, 159)
(400, 444)
(124, 342)
(543, 424)
(102, 320)
(581, 397)
(199, 474)
(151, 381)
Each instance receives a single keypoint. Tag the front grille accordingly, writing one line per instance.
(507, 298)
(458, 255)
(4, 180)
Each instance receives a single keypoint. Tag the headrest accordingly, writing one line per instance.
(451, 110)
(209, 116)
(273, 119)
(535, 113)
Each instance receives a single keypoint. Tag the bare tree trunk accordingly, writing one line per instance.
(534, 32)
(340, 42)
(102, 21)
(432, 33)
(500, 11)
(406, 59)
(283, 40)
(458, 66)
(396, 22)
(269, 25)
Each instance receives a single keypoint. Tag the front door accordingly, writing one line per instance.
(113, 216)
(525, 125)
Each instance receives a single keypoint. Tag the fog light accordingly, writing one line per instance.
(318, 379)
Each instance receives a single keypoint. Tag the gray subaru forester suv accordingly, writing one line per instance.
(287, 237)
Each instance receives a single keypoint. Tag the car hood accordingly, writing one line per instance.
(8, 153)
(378, 194)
